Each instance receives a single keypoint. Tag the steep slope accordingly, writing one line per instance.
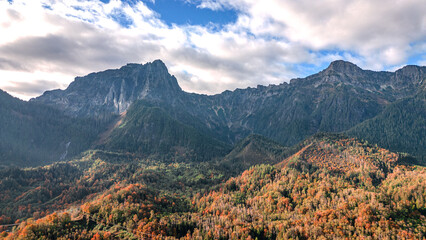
(149, 130)
(33, 134)
(341, 154)
(113, 91)
(255, 150)
(399, 127)
(335, 99)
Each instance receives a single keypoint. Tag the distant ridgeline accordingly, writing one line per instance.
(141, 109)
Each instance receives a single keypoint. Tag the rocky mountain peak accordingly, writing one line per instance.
(156, 65)
(159, 64)
(412, 71)
(343, 67)
(114, 90)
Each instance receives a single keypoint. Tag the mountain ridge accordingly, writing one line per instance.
(113, 91)
(172, 86)
(334, 100)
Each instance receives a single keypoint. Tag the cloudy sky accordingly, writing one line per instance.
(209, 45)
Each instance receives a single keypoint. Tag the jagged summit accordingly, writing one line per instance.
(113, 91)
(412, 72)
(342, 66)
(157, 64)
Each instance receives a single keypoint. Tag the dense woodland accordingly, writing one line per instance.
(332, 186)
(149, 130)
(399, 126)
(33, 134)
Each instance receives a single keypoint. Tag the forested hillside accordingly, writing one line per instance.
(149, 130)
(332, 187)
(400, 127)
(33, 134)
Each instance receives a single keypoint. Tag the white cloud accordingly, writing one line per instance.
(17, 82)
(270, 42)
(383, 28)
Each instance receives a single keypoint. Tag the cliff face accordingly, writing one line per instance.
(113, 91)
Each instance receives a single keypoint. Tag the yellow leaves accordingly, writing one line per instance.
(86, 208)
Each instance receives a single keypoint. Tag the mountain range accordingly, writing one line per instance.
(122, 106)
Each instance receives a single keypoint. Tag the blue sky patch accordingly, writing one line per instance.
(121, 17)
(180, 12)
(415, 59)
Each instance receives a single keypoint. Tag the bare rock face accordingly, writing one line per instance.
(113, 91)
(344, 67)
